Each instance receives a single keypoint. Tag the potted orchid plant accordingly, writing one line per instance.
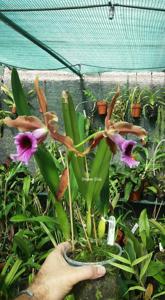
(81, 182)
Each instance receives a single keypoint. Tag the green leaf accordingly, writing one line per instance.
(145, 266)
(122, 267)
(47, 168)
(63, 220)
(23, 218)
(144, 227)
(130, 249)
(24, 245)
(98, 172)
(140, 259)
(127, 190)
(160, 277)
(72, 130)
(152, 189)
(49, 234)
(158, 226)
(155, 267)
(26, 186)
(158, 295)
(120, 258)
(136, 287)
(11, 275)
(19, 95)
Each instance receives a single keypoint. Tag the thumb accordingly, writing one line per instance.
(87, 272)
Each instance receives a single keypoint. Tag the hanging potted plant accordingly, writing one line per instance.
(101, 107)
(100, 104)
(153, 99)
(136, 98)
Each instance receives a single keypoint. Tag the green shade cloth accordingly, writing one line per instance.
(133, 41)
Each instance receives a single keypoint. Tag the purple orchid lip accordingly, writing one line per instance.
(125, 147)
(26, 145)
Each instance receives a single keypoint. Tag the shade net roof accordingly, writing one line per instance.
(86, 36)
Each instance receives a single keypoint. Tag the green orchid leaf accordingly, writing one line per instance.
(157, 225)
(45, 228)
(122, 267)
(11, 275)
(134, 288)
(120, 258)
(72, 130)
(63, 220)
(140, 259)
(23, 218)
(158, 295)
(160, 277)
(127, 190)
(145, 266)
(19, 95)
(48, 168)
(144, 227)
(155, 267)
(24, 245)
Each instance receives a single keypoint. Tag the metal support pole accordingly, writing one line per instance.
(40, 44)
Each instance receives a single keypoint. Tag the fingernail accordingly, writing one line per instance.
(101, 271)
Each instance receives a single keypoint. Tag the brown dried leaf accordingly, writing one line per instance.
(148, 292)
(24, 123)
(41, 97)
(62, 185)
(112, 105)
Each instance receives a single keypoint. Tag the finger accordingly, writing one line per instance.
(87, 272)
(63, 247)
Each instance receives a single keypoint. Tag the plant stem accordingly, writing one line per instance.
(70, 207)
(89, 138)
(83, 226)
(94, 229)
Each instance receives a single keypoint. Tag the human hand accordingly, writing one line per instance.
(56, 277)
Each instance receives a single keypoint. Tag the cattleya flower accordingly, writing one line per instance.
(35, 132)
(113, 134)
(125, 147)
(27, 143)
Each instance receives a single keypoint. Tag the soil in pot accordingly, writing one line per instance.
(105, 288)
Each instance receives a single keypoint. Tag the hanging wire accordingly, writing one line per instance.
(100, 86)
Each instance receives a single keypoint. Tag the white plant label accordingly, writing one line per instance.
(134, 228)
(111, 231)
(161, 248)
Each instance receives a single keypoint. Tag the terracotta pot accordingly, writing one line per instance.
(136, 110)
(135, 195)
(102, 107)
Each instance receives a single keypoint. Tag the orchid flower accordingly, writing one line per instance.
(26, 144)
(125, 147)
(113, 134)
(35, 132)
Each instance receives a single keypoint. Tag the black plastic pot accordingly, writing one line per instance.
(105, 288)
